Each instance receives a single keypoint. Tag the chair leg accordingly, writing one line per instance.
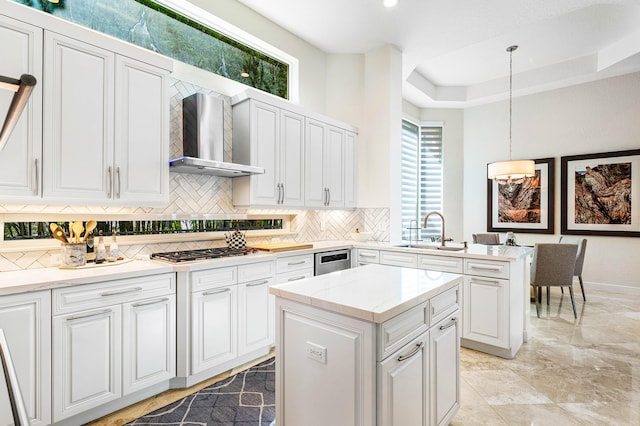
(548, 293)
(573, 303)
(582, 288)
(538, 297)
(562, 290)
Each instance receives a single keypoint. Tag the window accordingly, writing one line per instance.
(421, 180)
(158, 28)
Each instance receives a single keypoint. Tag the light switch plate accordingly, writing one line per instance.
(317, 352)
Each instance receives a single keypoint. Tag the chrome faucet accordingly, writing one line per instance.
(426, 218)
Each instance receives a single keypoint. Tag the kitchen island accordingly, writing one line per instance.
(370, 345)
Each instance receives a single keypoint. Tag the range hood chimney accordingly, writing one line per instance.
(203, 140)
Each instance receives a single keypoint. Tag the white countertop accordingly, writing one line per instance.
(373, 293)
(473, 251)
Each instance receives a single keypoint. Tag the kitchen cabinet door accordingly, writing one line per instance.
(291, 159)
(86, 360)
(141, 170)
(350, 172)
(26, 322)
(78, 121)
(214, 327)
(403, 397)
(148, 342)
(21, 158)
(445, 369)
(254, 322)
(315, 188)
(334, 167)
(486, 310)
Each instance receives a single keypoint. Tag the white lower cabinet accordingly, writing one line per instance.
(394, 258)
(403, 383)
(26, 322)
(364, 257)
(445, 364)
(255, 329)
(111, 339)
(486, 301)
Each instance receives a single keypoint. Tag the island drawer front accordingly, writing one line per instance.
(256, 271)
(486, 268)
(396, 332)
(393, 258)
(365, 256)
(294, 263)
(213, 278)
(91, 296)
(441, 263)
(445, 303)
(294, 276)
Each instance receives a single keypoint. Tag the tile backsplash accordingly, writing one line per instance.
(192, 194)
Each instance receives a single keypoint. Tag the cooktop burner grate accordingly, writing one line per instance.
(202, 254)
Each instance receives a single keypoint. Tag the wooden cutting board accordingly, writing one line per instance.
(281, 246)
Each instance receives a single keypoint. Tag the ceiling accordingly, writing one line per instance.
(454, 51)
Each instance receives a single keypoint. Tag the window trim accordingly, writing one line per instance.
(208, 19)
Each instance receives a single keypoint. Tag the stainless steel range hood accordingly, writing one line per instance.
(203, 140)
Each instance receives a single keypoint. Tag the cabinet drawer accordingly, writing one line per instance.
(441, 263)
(77, 298)
(444, 304)
(364, 256)
(256, 271)
(486, 268)
(294, 263)
(393, 258)
(396, 332)
(213, 278)
(294, 276)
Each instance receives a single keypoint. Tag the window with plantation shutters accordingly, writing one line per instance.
(421, 180)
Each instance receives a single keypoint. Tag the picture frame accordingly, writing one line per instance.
(526, 207)
(597, 191)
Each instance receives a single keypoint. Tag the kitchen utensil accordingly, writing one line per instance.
(58, 233)
(91, 225)
(78, 228)
(236, 240)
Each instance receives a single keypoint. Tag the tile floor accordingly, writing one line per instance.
(572, 372)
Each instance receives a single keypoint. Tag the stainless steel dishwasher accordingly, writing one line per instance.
(329, 261)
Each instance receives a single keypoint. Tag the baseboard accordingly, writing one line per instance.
(610, 288)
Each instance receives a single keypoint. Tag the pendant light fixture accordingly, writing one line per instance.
(512, 171)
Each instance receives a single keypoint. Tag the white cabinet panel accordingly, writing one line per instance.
(26, 322)
(445, 365)
(255, 324)
(86, 360)
(292, 158)
(350, 170)
(334, 167)
(486, 305)
(393, 258)
(148, 342)
(314, 172)
(21, 159)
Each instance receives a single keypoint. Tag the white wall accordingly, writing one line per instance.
(601, 116)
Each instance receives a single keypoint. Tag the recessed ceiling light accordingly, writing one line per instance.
(390, 3)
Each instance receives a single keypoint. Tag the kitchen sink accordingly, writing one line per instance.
(430, 247)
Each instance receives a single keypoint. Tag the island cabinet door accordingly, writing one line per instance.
(403, 385)
(486, 301)
(214, 327)
(445, 369)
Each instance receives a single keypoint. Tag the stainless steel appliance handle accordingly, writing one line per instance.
(451, 324)
(417, 349)
(123, 291)
(18, 409)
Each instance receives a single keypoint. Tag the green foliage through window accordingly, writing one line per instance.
(160, 29)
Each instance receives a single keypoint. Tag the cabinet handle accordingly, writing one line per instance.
(257, 283)
(451, 324)
(222, 290)
(486, 267)
(282, 199)
(417, 349)
(301, 277)
(150, 302)
(36, 187)
(366, 255)
(124, 291)
(92, 314)
(118, 180)
(110, 182)
(490, 282)
(296, 263)
(328, 196)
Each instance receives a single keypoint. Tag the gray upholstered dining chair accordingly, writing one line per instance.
(490, 238)
(552, 266)
(582, 247)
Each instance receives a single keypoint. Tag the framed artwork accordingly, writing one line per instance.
(601, 194)
(524, 206)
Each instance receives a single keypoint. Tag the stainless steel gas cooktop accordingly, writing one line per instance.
(202, 254)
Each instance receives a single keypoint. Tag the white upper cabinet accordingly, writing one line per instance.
(21, 158)
(106, 126)
(267, 136)
(309, 159)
